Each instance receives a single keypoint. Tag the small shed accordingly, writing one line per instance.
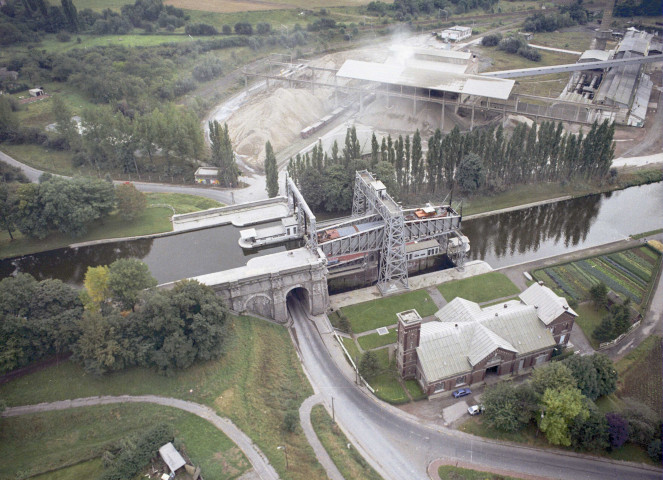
(36, 92)
(526, 35)
(172, 457)
(207, 176)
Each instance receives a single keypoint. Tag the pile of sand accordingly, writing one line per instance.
(277, 116)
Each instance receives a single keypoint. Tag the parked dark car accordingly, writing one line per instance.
(461, 392)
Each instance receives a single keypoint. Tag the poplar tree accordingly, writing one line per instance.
(271, 171)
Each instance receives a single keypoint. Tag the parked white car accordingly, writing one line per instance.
(475, 409)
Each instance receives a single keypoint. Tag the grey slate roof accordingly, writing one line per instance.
(466, 334)
(548, 305)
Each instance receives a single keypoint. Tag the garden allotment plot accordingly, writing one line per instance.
(628, 273)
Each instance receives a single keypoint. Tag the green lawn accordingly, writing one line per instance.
(155, 219)
(352, 348)
(152, 220)
(415, 390)
(258, 377)
(480, 288)
(448, 472)
(375, 340)
(88, 469)
(388, 388)
(182, 202)
(588, 319)
(382, 311)
(348, 460)
(51, 440)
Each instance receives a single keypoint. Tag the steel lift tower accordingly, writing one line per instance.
(371, 197)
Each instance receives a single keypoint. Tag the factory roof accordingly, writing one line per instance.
(595, 56)
(395, 74)
(619, 83)
(636, 42)
(465, 335)
(548, 304)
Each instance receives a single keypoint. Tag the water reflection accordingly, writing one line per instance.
(546, 230)
(169, 258)
(501, 240)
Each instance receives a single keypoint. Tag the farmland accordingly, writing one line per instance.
(629, 273)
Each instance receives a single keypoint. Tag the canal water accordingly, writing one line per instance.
(501, 240)
(169, 258)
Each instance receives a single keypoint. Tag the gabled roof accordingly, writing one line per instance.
(548, 305)
(484, 342)
(466, 334)
(458, 310)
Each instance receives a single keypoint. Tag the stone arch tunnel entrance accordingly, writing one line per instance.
(300, 295)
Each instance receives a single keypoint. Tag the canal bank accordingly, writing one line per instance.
(501, 240)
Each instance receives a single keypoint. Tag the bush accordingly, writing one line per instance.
(200, 29)
(226, 30)
(529, 53)
(512, 44)
(491, 40)
(290, 421)
(243, 28)
(208, 69)
(137, 453)
(263, 28)
(654, 450)
(63, 36)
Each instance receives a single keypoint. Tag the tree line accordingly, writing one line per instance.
(486, 159)
(65, 205)
(118, 320)
(559, 398)
(327, 179)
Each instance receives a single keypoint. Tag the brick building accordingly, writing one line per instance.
(466, 343)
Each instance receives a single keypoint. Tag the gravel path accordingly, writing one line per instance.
(320, 452)
(258, 459)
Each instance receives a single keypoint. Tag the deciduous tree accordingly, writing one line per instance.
(559, 407)
(130, 201)
(127, 278)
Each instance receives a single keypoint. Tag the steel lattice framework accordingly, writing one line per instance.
(372, 197)
(305, 217)
(378, 224)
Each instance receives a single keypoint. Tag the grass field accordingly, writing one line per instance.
(258, 377)
(448, 472)
(588, 319)
(414, 390)
(374, 340)
(481, 288)
(155, 219)
(629, 273)
(182, 202)
(152, 220)
(572, 39)
(352, 348)
(641, 374)
(347, 459)
(382, 312)
(88, 469)
(47, 441)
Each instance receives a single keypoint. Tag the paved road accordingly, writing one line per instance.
(258, 459)
(399, 447)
